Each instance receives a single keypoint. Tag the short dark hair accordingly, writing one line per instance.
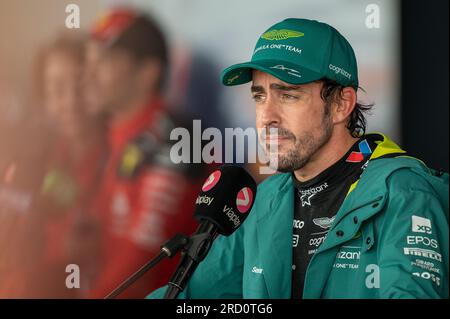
(332, 91)
(144, 39)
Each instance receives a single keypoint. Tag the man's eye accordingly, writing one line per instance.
(257, 97)
(288, 97)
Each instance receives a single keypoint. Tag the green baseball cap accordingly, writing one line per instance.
(299, 51)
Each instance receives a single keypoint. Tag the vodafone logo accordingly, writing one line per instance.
(211, 181)
(244, 200)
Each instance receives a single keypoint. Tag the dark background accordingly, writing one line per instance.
(425, 69)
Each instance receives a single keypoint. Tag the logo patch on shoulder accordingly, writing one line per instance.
(364, 150)
(421, 225)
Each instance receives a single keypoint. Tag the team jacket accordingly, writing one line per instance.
(389, 240)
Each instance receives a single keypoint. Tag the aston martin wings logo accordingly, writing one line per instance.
(282, 34)
(324, 222)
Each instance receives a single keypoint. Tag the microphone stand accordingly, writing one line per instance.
(169, 249)
(194, 252)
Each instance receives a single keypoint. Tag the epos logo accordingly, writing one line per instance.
(212, 180)
(244, 200)
(421, 225)
(413, 240)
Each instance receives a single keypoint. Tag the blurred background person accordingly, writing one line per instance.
(145, 198)
(75, 162)
(19, 184)
(55, 162)
(20, 241)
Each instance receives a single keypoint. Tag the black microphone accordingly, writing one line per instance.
(224, 203)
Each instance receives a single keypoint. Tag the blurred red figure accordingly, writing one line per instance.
(145, 197)
(74, 166)
(53, 168)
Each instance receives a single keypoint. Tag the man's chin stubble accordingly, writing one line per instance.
(287, 163)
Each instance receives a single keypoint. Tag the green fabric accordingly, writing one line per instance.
(299, 51)
(363, 255)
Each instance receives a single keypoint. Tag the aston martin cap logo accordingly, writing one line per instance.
(282, 34)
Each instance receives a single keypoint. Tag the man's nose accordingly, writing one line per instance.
(270, 113)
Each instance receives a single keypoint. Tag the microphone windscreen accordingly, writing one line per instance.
(226, 198)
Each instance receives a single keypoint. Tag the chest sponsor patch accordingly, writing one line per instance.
(348, 257)
(324, 222)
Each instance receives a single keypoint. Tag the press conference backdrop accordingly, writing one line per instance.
(403, 64)
(226, 32)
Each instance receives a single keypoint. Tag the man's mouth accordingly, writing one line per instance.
(276, 139)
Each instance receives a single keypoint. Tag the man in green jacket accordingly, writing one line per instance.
(350, 215)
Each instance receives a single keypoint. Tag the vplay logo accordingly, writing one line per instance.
(212, 180)
(204, 200)
(229, 212)
(244, 200)
(421, 225)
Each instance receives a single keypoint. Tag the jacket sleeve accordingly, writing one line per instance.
(219, 275)
(413, 244)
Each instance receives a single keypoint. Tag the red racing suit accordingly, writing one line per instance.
(145, 199)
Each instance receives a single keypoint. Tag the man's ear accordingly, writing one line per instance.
(344, 105)
(150, 74)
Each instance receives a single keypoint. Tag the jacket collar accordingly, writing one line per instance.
(385, 146)
(274, 233)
